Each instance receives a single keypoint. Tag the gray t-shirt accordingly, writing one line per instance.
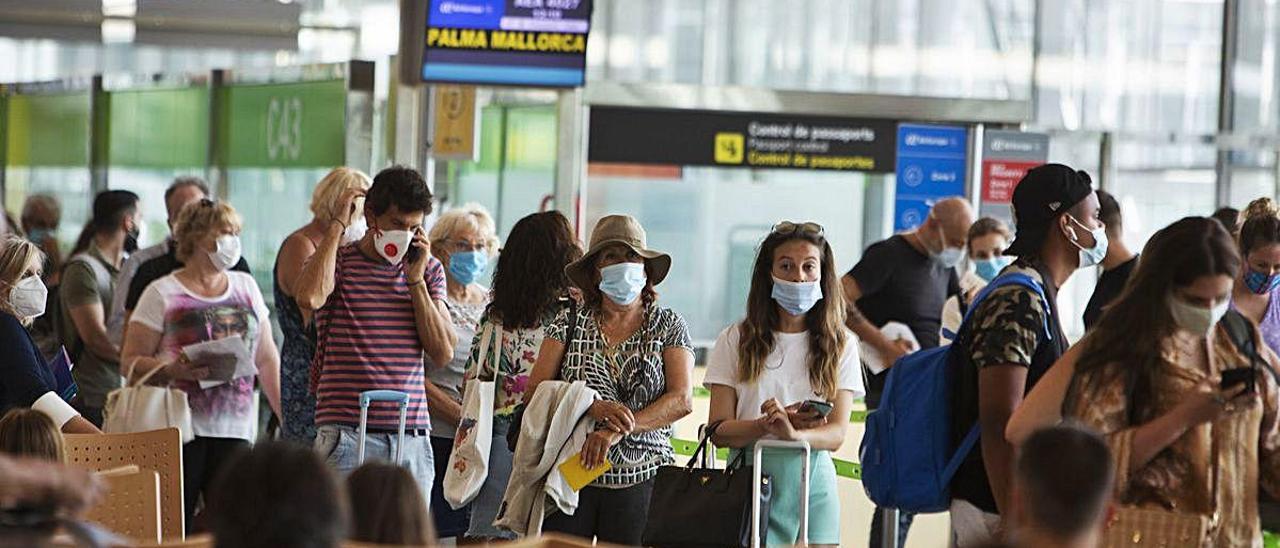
(466, 320)
(88, 278)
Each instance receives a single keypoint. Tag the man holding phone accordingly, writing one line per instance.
(380, 307)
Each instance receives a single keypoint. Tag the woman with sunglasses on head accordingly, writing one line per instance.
(637, 356)
(463, 239)
(789, 371)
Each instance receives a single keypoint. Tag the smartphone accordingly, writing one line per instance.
(1240, 375)
(822, 408)
(411, 256)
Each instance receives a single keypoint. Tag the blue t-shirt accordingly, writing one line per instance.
(24, 375)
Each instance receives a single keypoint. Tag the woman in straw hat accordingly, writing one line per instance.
(637, 355)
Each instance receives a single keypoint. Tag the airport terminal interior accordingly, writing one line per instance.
(853, 171)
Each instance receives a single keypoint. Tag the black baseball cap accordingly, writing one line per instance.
(1043, 194)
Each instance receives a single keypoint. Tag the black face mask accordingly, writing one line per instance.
(131, 239)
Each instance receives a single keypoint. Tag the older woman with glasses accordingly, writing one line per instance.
(464, 240)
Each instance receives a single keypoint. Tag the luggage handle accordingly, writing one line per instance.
(758, 477)
(369, 396)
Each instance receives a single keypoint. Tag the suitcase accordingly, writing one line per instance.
(369, 396)
(757, 470)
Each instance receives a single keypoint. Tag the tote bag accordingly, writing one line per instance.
(136, 407)
(469, 462)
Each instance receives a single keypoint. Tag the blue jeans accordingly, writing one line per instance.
(337, 444)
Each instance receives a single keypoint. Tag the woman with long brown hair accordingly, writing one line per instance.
(1150, 379)
(783, 370)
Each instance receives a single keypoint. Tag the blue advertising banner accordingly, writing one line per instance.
(931, 166)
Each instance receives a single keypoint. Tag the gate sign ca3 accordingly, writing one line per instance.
(284, 128)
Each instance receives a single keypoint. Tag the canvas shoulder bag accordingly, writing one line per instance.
(469, 462)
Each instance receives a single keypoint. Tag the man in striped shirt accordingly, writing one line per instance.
(379, 307)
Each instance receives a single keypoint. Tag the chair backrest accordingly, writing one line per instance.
(131, 507)
(157, 450)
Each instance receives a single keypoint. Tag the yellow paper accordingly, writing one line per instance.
(578, 475)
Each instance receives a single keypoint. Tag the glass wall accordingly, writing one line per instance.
(146, 149)
(711, 221)
(515, 173)
(47, 152)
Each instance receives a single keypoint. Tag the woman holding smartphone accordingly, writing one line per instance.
(789, 371)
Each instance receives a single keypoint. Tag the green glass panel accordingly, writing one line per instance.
(161, 128)
(284, 125)
(48, 130)
(531, 138)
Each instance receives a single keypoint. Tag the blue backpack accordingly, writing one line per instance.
(907, 461)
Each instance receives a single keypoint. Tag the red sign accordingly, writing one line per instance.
(1000, 177)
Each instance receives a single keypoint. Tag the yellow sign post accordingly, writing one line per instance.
(455, 134)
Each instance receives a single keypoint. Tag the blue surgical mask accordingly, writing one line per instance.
(1260, 283)
(797, 298)
(467, 266)
(38, 236)
(1094, 255)
(988, 269)
(622, 282)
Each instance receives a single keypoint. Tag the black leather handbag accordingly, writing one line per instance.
(695, 507)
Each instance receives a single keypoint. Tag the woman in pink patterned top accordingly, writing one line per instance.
(198, 303)
(529, 291)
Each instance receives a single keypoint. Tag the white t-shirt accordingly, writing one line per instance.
(183, 319)
(785, 375)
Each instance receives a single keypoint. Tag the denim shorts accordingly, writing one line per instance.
(337, 444)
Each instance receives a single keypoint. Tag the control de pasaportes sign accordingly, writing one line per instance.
(740, 139)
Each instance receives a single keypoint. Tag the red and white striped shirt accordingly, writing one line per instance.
(367, 339)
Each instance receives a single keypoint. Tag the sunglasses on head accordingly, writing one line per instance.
(806, 228)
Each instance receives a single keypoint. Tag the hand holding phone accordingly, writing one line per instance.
(821, 408)
(1240, 375)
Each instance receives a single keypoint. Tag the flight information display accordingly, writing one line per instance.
(507, 42)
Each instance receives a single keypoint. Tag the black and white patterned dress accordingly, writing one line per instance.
(632, 374)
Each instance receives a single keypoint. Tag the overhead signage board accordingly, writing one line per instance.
(931, 167)
(506, 42)
(739, 140)
(1006, 157)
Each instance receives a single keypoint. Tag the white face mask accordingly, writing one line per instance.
(393, 244)
(27, 297)
(227, 253)
(1094, 255)
(1195, 319)
(355, 232)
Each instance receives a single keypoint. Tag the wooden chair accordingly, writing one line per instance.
(158, 450)
(131, 507)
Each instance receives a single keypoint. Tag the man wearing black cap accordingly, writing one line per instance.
(1006, 349)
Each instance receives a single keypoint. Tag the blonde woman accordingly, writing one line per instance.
(25, 377)
(464, 240)
(296, 400)
(789, 371)
(30, 433)
(201, 302)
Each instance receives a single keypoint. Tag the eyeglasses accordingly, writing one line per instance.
(463, 246)
(806, 228)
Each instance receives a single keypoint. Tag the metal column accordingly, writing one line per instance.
(99, 136)
(1226, 98)
(358, 148)
(571, 157)
(215, 156)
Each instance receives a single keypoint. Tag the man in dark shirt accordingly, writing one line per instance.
(1117, 265)
(1006, 349)
(907, 279)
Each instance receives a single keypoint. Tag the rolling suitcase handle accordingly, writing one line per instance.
(757, 472)
(366, 398)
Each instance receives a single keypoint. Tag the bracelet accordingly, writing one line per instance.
(423, 282)
(344, 225)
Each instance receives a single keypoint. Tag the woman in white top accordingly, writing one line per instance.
(792, 348)
(199, 303)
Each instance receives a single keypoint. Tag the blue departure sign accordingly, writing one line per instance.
(931, 166)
